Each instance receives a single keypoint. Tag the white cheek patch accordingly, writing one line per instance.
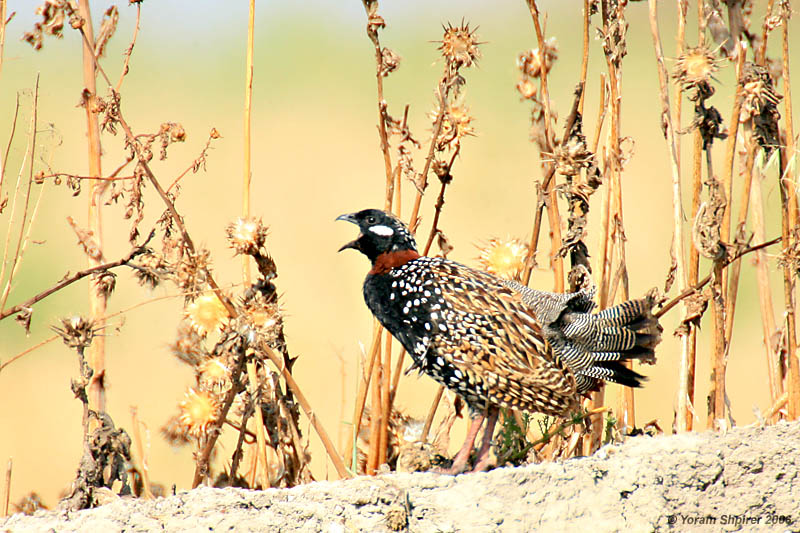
(383, 231)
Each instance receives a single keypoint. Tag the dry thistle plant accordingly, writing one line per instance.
(220, 335)
(451, 123)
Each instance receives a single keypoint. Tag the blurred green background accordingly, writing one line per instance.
(316, 155)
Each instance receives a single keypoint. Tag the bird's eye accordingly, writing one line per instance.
(370, 220)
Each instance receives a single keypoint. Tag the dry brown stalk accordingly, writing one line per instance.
(601, 113)
(587, 8)
(719, 354)
(386, 401)
(375, 415)
(68, 281)
(614, 49)
(744, 207)
(703, 282)
(97, 299)
(361, 396)
(553, 217)
(431, 413)
(248, 102)
(776, 406)
(3, 22)
(261, 439)
(7, 486)
(678, 246)
(24, 238)
(790, 212)
(144, 470)
(374, 23)
(765, 294)
(442, 92)
(687, 383)
(129, 49)
(8, 150)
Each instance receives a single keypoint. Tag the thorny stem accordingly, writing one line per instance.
(677, 207)
(237, 454)
(255, 395)
(203, 457)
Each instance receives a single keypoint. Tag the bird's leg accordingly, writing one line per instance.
(482, 460)
(461, 458)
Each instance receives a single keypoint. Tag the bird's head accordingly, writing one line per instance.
(381, 233)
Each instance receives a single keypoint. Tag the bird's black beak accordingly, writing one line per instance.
(349, 217)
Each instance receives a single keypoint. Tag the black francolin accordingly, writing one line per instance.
(495, 342)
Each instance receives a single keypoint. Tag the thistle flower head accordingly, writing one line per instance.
(533, 62)
(214, 374)
(694, 67)
(206, 314)
(198, 410)
(758, 91)
(456, 125)
(76, 331)
(504, 258)
(459, 45)
(246, 235)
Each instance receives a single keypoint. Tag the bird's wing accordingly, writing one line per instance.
(489, 328)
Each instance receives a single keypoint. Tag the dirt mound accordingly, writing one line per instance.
(745, 480)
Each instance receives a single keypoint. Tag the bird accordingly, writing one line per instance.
(495, 342)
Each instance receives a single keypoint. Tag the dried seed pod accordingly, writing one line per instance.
(246, 235)
(77, 331)
(695, 67)
(459, 46)
(533, 62)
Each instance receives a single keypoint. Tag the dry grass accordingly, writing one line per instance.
(241, 415)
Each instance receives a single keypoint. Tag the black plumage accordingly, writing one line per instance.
(495, 342)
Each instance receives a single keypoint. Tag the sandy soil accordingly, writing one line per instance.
(745, 480)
